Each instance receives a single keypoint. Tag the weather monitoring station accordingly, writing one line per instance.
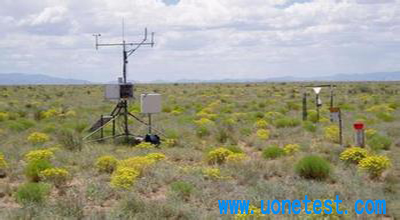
(123, 94)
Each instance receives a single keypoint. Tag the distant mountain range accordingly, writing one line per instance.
(379, 76)
(35, 79)
(357, 77)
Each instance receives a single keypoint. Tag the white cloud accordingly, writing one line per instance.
(201, 38)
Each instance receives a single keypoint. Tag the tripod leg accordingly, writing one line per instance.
(149, 123)
(113, 128)
(115, 109)
(126, 120)
(101, 129)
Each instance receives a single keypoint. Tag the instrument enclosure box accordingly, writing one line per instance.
(119, 91)
(150, 103)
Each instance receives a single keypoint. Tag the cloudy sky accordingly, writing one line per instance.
(201, 39)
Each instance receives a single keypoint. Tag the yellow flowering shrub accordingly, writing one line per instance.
(189, 168)
(324, 120)
(236, 158)
(70, 113)
(156, 156)
(365, 98)
(375, 165)
(215, 104)
(230, 121)
(354, 154)
(170, 142)
(369, 133)
(58, 176)
(204, 122)
(263, 134)
(51, 113)
(218, 155)
(138, 163)
(261, 123)
(36, 155)
(272, 116)
(257, 214)
(331, 133)
(124, 177)
(3, 162)
(38, 138)
(145, 145)
(205, 114)
(239, 115)
(3, 116)
(213, 173)
(128, 170)
(106, 164)
(380, 108)
(176, 112)
(291, 149)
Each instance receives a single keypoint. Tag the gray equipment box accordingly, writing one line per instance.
(119, 91)
(150, 103)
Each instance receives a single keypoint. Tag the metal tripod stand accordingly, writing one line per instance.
(120, 110)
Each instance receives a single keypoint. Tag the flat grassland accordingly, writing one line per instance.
(222, 141)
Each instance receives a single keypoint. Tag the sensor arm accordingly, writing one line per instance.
(130, 52)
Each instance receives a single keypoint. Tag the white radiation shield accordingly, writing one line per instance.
(317, 90)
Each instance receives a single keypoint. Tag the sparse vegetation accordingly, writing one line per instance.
(223, 141)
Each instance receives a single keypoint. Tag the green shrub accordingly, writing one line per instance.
(309, 126)
(312, 116)
(32, 193)
(69, 139)
(286, 122)
(222, 135)
(3, 116)
(202, 131)
(234, 149)
(385, 116)
(273, 152)
(182, 188)
(34, 167)
(313, 167)
(379, 142)
(20, 125)
(292, 105)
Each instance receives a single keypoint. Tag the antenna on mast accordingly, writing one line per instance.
(123, 29)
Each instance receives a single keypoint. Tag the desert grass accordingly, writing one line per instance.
(177, 187)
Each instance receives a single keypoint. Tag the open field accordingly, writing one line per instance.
(258, 126)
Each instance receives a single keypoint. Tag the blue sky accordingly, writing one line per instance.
(171, 2)
(201, 39)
